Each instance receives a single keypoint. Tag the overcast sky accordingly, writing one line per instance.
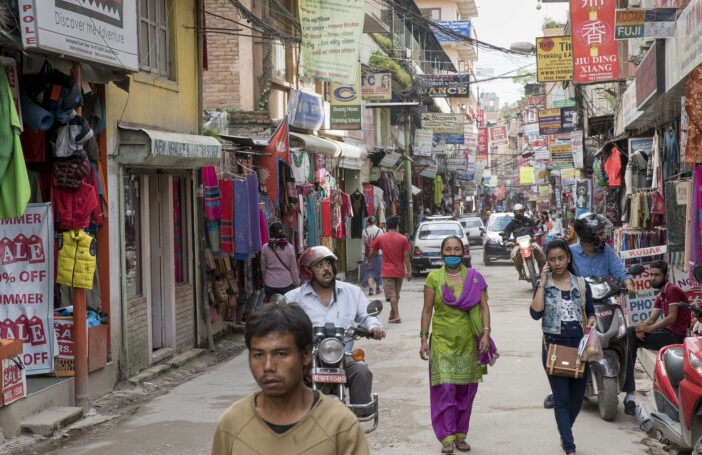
(503, 22)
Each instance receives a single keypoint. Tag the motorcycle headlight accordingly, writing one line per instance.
(599, 290)
(621, 331)
(524, 243)
(695, 362)
(331, 350)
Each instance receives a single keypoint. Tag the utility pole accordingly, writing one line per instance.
(408, 175)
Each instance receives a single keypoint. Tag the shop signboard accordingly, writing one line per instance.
(688, 37)
(640, 305)
(14, 380)
(444, 85)
(27, 283)
(643, 252)
(390, 159)
(531, 129)
(99, 32)
(498, 135)
(470, 140)
(556, 120)
(564, 103)
(630, 111)
(554, 59)
(540, 174)
(446, 127)
(345, 106)
(470, 163)
(461, 28)
(456, 164)
(480, 118)
(376, 86)
(576, 143)
(644, 144)
(430, 170)
(544, 192)
(644, 23)
(305, 110)
(541, 153)
(594, 47)
(422, 142)
(483, 143)
(464, 175)
(567, 176)
(526, 175)
(562, 153)
(331, 39)
(650, 74)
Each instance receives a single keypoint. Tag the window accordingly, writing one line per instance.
(132, 237)
(278, 58)
(499, 223)
(439, 231)
(433, 14)
(154, 46)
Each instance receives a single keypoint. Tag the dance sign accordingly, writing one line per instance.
(27, 285)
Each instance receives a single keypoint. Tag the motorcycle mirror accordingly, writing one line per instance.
(636, 269)
(697, 273)
(278, 298)
(374, 308)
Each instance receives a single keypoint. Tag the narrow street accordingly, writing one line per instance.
(508, 416)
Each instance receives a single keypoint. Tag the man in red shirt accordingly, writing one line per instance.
(655, 333)
(395, 264)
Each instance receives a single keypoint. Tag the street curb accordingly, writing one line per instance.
(160, 369)
(48, 421)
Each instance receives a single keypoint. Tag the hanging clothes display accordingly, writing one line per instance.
(693, 107)
(599, 172)
(326, 218)
(311, 220)
(637, 166)
(655, 162)
(671, 154)
(300, 166)
(241, 220)
(438, 190)
(613, 167)
(320, 167)
(625, 239)
(252, 217)
(675, 219)
(358, 206)
(213, 210)
(226, 228)
(379, 195)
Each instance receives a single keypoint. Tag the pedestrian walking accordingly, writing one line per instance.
(285, 416)
(459, 348)
(563, 302)
(370, 274)
(395, 265)
(278, 263)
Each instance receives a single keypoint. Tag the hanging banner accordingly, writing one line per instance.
(422, 142)
(430, 170)
(540, 174)
(459, 27)
(498, 135)
(526, 175)
(562, 154)
(480, 118)
(567, 176)
(576, 143)
(531, 129)
(644, 23)
(456, 164)
(688, 38)
(470, 140)
(470, 164)
(345, 105)
(557, 120)
(331, 39)
(554, 59)
(594, 47)
(444, 85)
(376, 87)
(446, 127)
(27, 285)
(483, 143)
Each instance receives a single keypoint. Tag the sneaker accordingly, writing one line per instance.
(370, 291)
(548, 402)
(630, 407)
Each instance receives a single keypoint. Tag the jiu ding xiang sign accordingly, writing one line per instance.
(444, 85)
(595, 56)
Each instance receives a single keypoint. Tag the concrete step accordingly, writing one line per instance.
(185, 357)
(48, 421)
(159, 369)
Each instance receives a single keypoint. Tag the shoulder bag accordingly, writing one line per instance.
(563, 360)
(284, 265)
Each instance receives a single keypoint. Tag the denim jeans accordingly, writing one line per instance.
(568, 396)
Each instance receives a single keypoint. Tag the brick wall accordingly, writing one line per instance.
(220, 84)
(255, 124)
(185, 317)
(137, 335)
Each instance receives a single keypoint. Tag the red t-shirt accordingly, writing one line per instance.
(394, 246)
(613, 167)
(672, 295)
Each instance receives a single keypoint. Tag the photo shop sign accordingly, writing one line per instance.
(27, 285)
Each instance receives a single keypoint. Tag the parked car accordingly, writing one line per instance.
(426, 251)
(474, 229)
(493, 246)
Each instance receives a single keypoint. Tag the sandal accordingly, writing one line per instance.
(462, 445)
(448, 447)
(395, 321)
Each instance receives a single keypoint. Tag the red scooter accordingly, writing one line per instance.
(677, 388)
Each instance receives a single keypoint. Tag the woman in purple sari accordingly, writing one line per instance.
(460, 347)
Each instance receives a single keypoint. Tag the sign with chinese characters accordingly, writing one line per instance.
(345, 105)
(644, 23)
(422, 142)
(444, 85)
(594, 47)
(103, 32)
(498, 135)
(27, 285)
(554, 59)
(376, 87)
(483, 144)
(461, 28)
(480, 118)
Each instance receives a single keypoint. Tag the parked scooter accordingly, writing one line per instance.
(607, 376)
(328, 371)
(677, 388)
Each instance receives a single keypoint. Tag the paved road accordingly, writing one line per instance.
(508, 417)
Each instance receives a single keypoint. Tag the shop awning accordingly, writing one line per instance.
(144, 147)
(314, 144)
(352, 156)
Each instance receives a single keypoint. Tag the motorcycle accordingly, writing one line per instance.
(607, 376)
(677, 388)
(530, 266)
(328, 370)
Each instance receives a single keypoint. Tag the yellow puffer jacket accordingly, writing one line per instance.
(76, 259)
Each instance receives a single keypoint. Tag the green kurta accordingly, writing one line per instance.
(454, 350)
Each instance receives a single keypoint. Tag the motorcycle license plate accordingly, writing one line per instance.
(329, 378)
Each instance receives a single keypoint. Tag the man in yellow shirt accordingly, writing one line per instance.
(285, 417)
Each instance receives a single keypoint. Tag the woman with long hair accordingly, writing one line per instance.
(563, 302)
(278, 263)
(459, 347)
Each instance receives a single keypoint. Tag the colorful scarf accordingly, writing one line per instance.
(212, 209)
(470, 297)
(226, 229)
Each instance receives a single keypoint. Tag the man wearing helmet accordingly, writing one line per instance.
(326, 300)
(522, 225)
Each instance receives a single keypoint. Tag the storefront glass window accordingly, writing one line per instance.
(178, 226)
(132, 237)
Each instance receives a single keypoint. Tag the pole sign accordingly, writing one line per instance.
(27, 285)
(422, 142)
(483, 144)
(645, 23)
(376, 87)
(594, 47)
(554, 59)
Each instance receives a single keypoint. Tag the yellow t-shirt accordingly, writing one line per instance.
(329, 428)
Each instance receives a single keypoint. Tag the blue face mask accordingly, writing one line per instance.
(452, 261)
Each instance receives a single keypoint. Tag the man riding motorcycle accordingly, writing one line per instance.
(522, 225)
(593, 257)
(326, 300)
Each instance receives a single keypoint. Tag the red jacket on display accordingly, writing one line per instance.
(74, 207)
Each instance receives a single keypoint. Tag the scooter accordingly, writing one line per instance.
(607, 376)
(530, 266)
(677, 388)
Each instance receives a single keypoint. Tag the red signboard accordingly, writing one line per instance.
(594, 47)
(480, 118)
(498, 135)
(482, 143)
(14, 381)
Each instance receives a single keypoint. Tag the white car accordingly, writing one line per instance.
(474, 229)
(426, 250)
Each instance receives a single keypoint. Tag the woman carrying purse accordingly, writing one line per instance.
(278, 263)
(558, 302)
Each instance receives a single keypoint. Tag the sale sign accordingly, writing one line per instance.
(27, 285)
(594, 47)
(14, 381)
